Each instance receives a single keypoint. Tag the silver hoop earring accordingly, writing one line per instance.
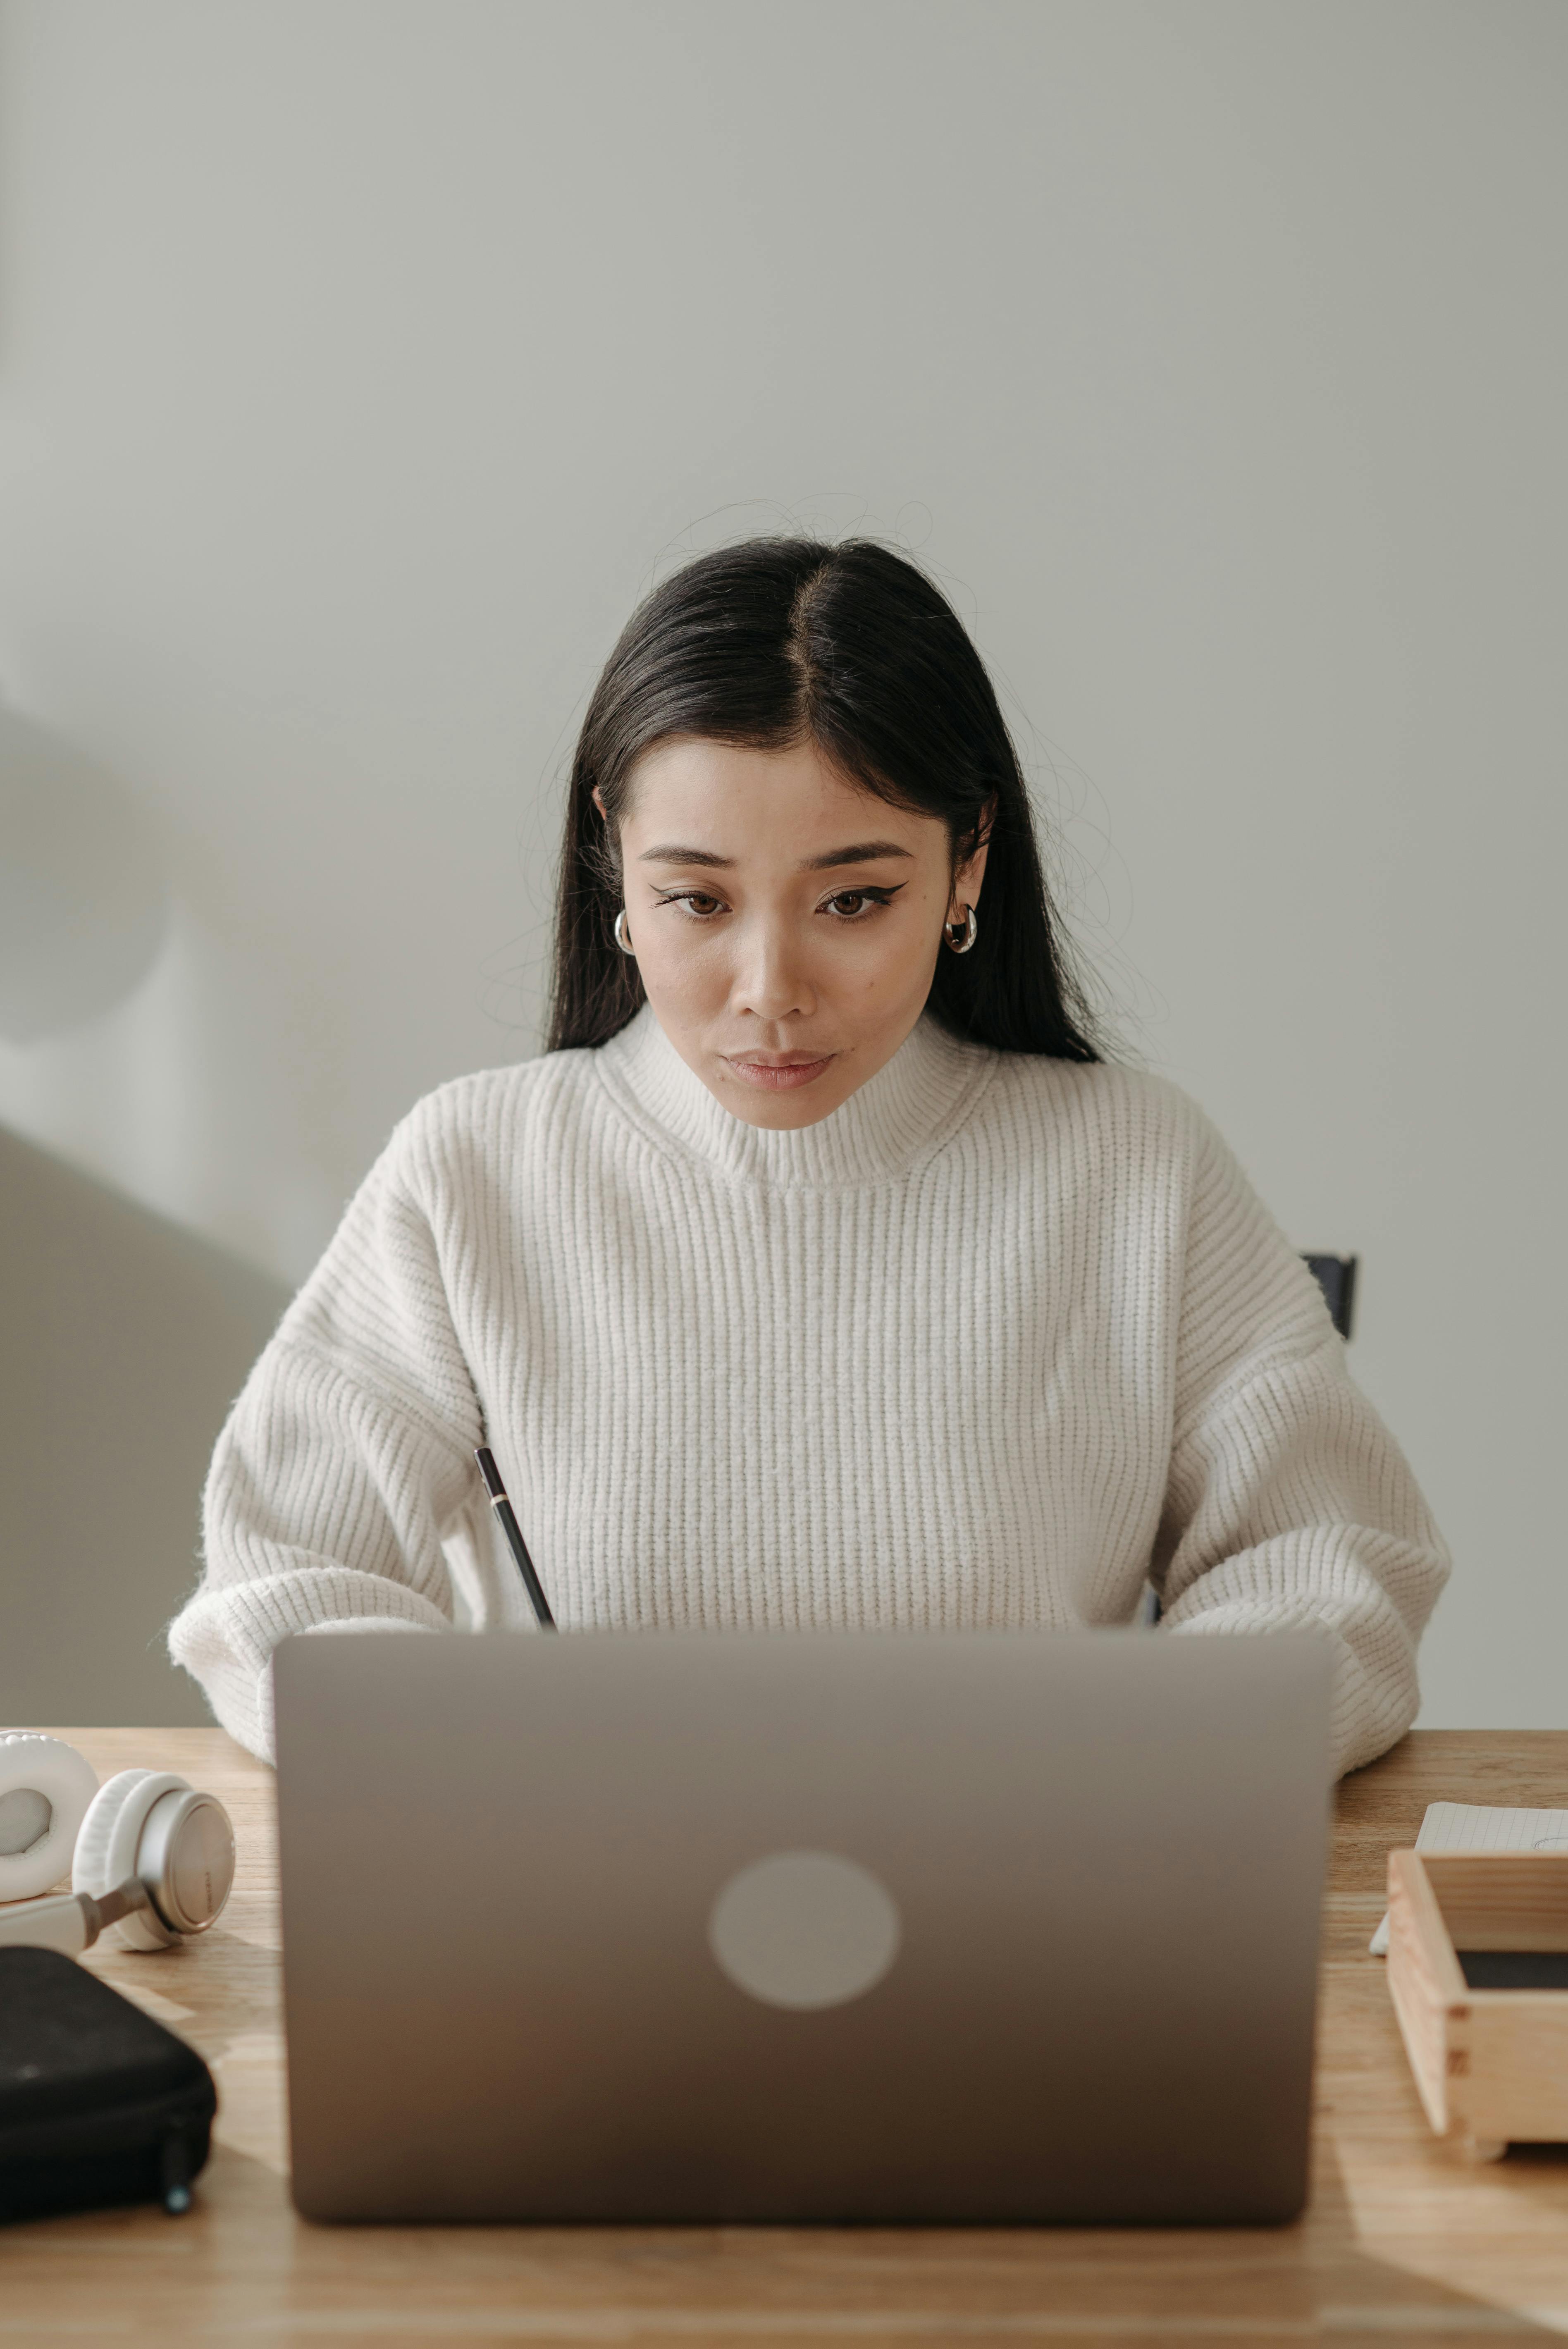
(623, 936)
(961, 936)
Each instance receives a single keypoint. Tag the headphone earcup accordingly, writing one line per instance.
(107, 1849)
(67, 1783)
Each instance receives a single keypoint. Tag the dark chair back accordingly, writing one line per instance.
(1335, 1276)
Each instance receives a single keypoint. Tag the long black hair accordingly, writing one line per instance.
(783, 640)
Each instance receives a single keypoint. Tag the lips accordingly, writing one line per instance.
(784, 1074)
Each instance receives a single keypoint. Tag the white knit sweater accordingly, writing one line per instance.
(995, 1341)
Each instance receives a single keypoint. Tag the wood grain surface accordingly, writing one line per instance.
(1403, 2241)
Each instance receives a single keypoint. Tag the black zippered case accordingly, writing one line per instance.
(97, 2102)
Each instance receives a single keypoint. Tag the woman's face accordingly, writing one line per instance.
(786, 924)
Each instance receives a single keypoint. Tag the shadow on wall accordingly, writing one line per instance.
(123, 1340)
(84, 903)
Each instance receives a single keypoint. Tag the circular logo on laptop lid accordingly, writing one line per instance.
(804, 1929)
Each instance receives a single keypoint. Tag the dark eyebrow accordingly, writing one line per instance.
(865, 852)
(671, 856)
(860, 852)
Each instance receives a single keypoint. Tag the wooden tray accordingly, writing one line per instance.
(1492, 2064)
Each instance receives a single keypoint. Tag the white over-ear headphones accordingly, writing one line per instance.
(46, 1788)
(153, 1859)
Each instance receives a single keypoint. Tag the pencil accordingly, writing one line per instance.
(513, 1532)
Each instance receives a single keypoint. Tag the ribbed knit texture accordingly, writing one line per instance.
(990, 1344)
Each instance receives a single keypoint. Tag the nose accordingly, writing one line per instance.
(771, 981)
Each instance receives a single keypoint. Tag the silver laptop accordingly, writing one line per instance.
(988, 1927)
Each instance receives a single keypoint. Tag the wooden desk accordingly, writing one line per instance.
(1402, 2242)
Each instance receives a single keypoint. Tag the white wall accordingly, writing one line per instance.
(361, 360)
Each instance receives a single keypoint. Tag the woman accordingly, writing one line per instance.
(820, 1272)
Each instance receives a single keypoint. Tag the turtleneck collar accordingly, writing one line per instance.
(894, 1121)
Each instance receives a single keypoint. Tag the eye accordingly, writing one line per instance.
(855, 905)
(697, 905)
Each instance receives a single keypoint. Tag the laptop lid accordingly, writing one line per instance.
(958, 1927)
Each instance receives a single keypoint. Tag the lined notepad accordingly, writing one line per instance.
(1473, 1826)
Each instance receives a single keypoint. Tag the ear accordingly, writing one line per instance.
(969, 877)
(600, 804)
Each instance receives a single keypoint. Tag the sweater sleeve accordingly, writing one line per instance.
(1289, 1505)
(346, 1455)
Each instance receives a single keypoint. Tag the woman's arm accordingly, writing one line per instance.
(346, 1455)
(1289, 1502)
